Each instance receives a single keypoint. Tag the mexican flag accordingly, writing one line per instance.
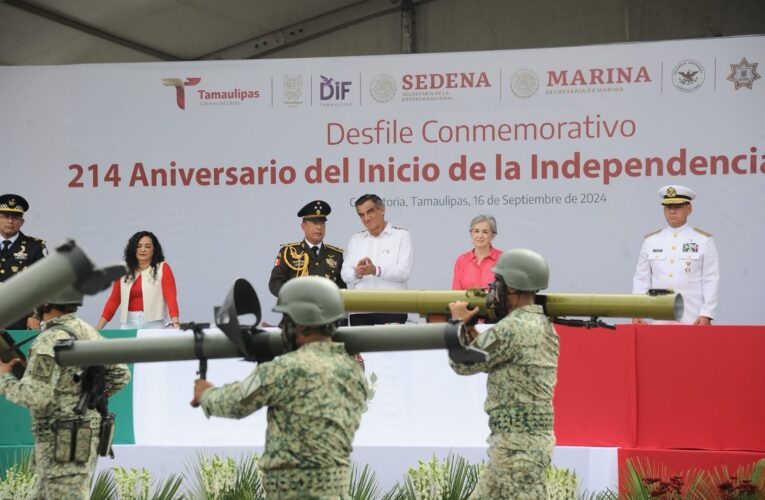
(16, 425)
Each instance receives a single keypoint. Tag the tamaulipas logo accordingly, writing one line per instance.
(206, 97)
(180, 84)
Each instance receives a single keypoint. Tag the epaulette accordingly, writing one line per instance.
(401, 228)
(333, 247)
(291, 244)
(701, 231)
(652, 233)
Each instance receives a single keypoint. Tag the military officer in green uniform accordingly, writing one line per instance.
(522, 373)
(315, 395)
(312, 256)
(66, 443)
(17, 250)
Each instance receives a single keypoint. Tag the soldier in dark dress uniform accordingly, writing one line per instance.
(17, 250)
(310, 257)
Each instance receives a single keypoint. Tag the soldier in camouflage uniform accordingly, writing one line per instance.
(522, 373)
(63, 461)
(315, 396)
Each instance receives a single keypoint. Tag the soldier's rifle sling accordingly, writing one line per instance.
(12, 351)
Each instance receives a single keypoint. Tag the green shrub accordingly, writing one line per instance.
(19, 480)
(561, 483)
(225, 478)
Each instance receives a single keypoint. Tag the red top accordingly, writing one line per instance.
(468, 273)
(135, 303)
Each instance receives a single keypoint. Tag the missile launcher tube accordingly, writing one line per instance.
(179, 347)
(432, 302)
(47, 277)
(67, 266)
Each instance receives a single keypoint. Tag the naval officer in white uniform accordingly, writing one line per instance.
(681, 258)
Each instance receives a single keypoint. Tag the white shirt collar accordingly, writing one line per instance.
(12, 239)
(680, 229)
(311, 245)
(387, 229)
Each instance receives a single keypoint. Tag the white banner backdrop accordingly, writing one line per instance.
(419, 401)
(420, 408)
(566, 147)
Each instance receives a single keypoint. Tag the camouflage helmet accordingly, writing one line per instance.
(66, 297)
(311, 300)
(523, 270)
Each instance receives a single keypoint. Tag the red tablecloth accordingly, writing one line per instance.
(595, 398)
(646, 386)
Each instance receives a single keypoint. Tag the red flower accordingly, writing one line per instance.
(726, 486)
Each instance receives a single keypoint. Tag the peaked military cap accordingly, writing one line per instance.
(13, 204)
(317, 210)
(676, 195)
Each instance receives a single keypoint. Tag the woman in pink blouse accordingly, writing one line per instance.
(473, 268)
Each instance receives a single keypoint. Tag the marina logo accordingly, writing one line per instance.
(524, 83)
(382, 88)
(180, 85)
(595, 80)
(743, 74)
(598, 76)
(688, 76)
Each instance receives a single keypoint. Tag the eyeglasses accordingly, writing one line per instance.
(12, 217)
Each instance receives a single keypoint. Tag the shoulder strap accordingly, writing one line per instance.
(333, 247)
(67, 330)
(11, 342)
(651, 233)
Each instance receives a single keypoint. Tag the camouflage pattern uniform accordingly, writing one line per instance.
(50, 393)
(315, 396)
(522, 375)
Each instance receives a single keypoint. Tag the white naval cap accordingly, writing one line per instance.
(676, 195)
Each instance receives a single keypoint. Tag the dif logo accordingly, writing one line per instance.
(333, 90)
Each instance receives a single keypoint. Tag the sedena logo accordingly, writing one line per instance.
(180, 84)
